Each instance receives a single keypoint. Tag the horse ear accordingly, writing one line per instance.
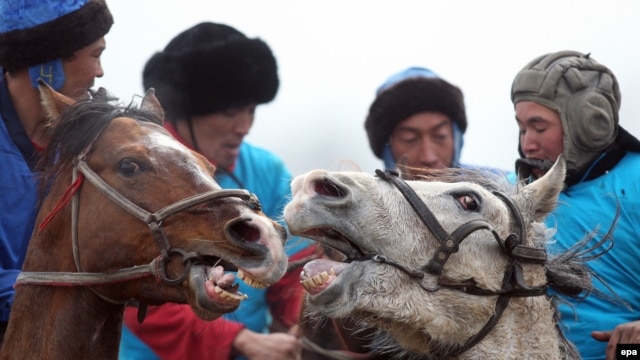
(541, 196)
(151, 104)
(53, 102)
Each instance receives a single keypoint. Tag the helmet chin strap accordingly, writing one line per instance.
(524, 167)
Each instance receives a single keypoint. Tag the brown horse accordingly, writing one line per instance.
(129, 213)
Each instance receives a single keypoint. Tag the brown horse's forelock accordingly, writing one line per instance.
(77, 128)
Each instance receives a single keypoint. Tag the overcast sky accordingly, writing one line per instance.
(332, 55)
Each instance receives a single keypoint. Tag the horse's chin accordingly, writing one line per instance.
(330, 286)
(212, 293)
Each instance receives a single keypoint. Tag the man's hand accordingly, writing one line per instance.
(274, 346)
(628, 333)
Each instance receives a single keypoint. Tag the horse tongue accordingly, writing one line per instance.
(318, 266)
(214, 290)
(218, 277)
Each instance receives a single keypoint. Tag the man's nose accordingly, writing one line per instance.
(528, 143)
(243, 122)
(429, 156)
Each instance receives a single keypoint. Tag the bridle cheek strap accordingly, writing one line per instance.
(452, 243)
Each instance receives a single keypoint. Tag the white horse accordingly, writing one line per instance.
(446, 269)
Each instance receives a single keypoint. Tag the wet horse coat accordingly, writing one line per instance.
(453, 268)
(129, 213)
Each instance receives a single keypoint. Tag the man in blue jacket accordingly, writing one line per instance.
(568, 103)
(61, 43)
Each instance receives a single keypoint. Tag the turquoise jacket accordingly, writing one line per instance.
(588, 206)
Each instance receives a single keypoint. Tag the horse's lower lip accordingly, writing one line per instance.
(205, 305)
(319, 274)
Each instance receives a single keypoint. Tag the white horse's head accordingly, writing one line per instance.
(432, 278)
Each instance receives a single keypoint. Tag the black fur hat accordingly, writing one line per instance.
(211, 68)
(34, 32)
(407, 94)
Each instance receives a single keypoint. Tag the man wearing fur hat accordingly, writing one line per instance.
(568, 103)
(209, 80)
(61, 43)
(417, 120)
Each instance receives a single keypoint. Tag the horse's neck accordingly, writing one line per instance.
(526, 328)
(66, 322)
(62, 322)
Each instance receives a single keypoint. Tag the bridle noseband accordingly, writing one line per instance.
(157, 267)
(513, 283)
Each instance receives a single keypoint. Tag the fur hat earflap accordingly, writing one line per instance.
(211, 68)
(410, 95)
(34, 32)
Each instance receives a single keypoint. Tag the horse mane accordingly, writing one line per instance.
(77, 127)
(488, 179)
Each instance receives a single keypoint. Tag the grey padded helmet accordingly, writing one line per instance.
(583, 92)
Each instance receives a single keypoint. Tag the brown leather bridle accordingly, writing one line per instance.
(156, 267)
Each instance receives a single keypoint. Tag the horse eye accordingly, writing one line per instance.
(129, 167)
(468, 202)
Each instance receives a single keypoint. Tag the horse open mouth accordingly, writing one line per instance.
(216, 292)
(317, 275)
(212, 280)
(336, 240)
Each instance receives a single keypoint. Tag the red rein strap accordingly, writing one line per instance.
(64, 200)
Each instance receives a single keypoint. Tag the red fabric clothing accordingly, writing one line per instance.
(286, 297)
(173, 331)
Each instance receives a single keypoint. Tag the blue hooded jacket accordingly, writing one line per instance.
(18, 197)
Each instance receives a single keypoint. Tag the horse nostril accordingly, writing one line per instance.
(327, 188)
(243, 230)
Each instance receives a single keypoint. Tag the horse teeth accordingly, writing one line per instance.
(227, 295)
(319, 279)
(325, 276)
(249, 281)
(309, 284)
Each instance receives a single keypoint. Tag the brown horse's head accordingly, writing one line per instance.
(146, 200)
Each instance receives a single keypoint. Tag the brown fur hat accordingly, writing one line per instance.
(408, 93)
(34, 32)
(210, 68)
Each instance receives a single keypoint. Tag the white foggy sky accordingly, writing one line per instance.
(332, 55)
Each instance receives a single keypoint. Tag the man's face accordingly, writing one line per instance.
(541, 134)
(81, 69)
(424, 140)
(219, 135)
